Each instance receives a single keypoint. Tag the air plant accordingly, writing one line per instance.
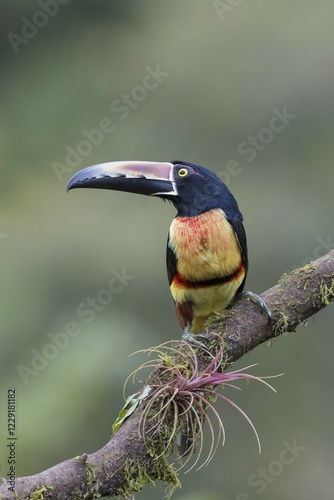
(179, 395)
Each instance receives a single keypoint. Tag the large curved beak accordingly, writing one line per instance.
(141, 177)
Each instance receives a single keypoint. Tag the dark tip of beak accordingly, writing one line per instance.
(86, 178)
(149, 178)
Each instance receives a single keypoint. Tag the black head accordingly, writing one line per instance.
(199, 190)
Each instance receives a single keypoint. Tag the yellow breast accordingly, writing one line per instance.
(205, 246)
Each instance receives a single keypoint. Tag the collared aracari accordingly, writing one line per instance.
(206, 249)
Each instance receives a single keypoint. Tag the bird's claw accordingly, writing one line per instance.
(260, 302)
(193, 338)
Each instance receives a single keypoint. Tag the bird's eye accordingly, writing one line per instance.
(183, 172)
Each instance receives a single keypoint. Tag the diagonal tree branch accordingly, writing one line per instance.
(128, 461)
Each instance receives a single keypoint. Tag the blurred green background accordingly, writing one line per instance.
(226, 66)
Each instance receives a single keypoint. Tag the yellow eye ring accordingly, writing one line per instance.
(183, 172)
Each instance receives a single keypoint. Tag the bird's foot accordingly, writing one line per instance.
(193, 338)
(260, 302)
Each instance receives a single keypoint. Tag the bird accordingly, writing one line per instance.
(206, 257)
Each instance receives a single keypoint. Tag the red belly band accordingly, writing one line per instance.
(182, 282)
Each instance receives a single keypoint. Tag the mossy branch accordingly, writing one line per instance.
(129, 460)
